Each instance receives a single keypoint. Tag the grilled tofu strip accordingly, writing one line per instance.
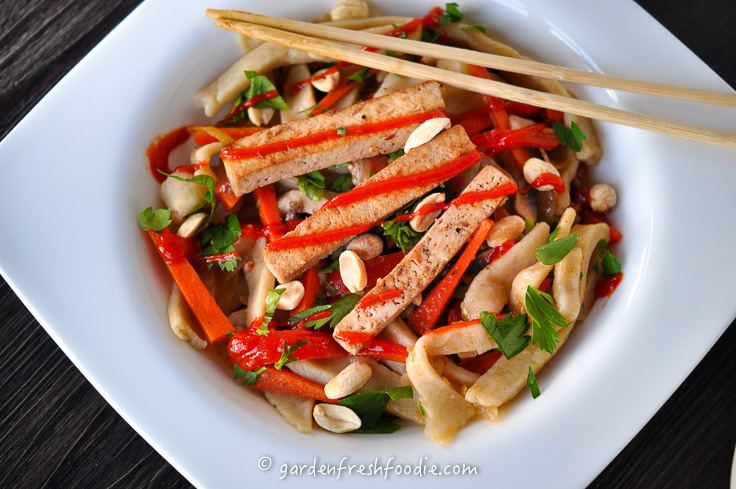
(288, 264)
(424, 262)
(378, 126)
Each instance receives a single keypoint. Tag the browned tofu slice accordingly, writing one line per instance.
(378, 126)
(288, 264)
(424, 262)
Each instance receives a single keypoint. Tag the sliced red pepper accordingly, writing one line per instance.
(376, 268)
(500, 250)
(534, 136)
(312, 287)
(161, 147)
(252, 351)
(427, 315)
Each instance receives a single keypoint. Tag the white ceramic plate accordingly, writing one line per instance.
(99, 290)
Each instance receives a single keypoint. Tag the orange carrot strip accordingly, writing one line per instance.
(291, 383)
(213, 321)
(225, 194)
(426, 316)
(336, 93)
(268, 210)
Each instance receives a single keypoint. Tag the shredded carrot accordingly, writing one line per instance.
(290, 383)
(426, 316)
(213, 321)
(268, 210)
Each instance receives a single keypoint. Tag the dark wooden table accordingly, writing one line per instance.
(55, 429)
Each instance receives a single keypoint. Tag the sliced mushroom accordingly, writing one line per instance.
(295, 202)
(192, 225)
(182, 197)
(182, 320)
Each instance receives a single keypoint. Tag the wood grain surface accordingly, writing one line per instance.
(56, 431)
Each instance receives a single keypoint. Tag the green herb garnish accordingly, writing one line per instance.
(610, 264)
(555, 251)
(509, 333)
(531, 381)
(343, 183)
(155, 221)
(571, 136)
(312, 185)
(287, 352)
(369, 406)
(220, 238)
(545, 317)
(342, 131)
(249, 378)
(452, 14)
(209, 196)
(479, 27)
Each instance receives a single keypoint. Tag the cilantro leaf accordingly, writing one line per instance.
(572, 136)
(402, 34)
(343, 183)
(306, 313)
(509, 333)
(452, 14)
(479, 27)
(531, 381)
(544, 319)
(335, 265)
(402, 234)
(528, 226)
(259, 85)
(369, 406)
(383, 427)
(341, 165)
(390, 53)
(209, 196)
(342, 131)
(272, 300)
(317, 323)
(555, 251)
(249, 378)
(553, 235)
(395, 155)
(312, 185)
(361, 75)
(430, 35)
(421, 408)
(288, 351)
(610, 264)
(155, 221)
(219, 239)
(342, 307)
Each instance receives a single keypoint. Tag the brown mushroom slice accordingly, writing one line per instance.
(288, 264)
(425, 261)
(311, 144)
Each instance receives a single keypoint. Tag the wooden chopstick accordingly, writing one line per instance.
(493, 61)
(466, 82)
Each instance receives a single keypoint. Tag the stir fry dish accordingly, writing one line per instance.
(364, 247)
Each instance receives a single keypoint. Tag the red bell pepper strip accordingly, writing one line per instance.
(204, 137)
(497, 111)
(252, 351)
(481, 363)
(500, 250)
(290, 383)
(312, 287)
(268, 210)
(427, 315)
(213, 321)
(375, 268)
(534, 136)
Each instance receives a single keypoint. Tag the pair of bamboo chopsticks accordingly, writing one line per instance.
(321, 39)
